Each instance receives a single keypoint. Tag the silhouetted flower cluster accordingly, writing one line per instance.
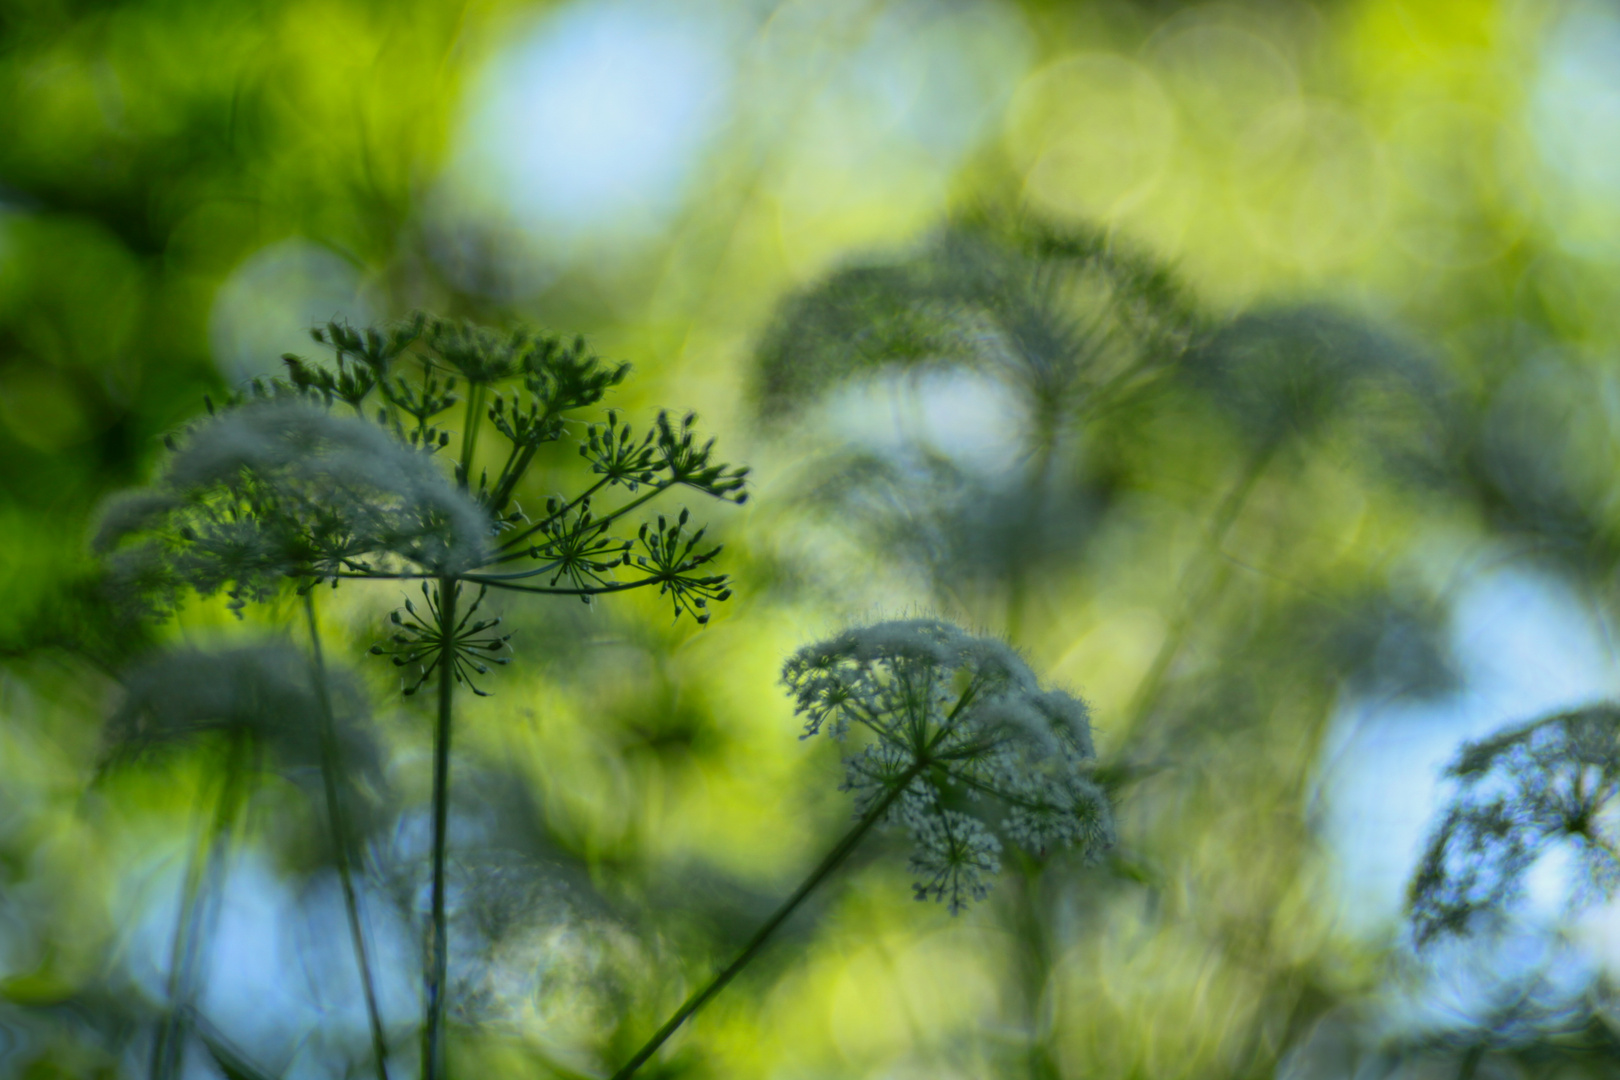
(958, 743)
(279, 488)
(1551, 783)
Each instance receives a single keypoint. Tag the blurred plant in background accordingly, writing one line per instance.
(278, 490)
(1249, 365)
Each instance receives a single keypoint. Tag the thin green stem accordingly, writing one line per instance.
(834, 859)
(595, 590)
(547, 520)
(469, 436)
(507, 583)
(203, 881)
(337, 816)
(653, 491)
(516, 465)
(438, 960)
(1037, 483)
(1190, 592)
(1034, 964)
(503, 481)
(165, 1052)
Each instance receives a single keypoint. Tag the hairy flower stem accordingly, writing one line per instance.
(338, 816)
(834, 859)
(204, 874)
(433, 1049)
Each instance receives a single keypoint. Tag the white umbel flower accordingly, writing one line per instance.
(953, 737)
(284, 487)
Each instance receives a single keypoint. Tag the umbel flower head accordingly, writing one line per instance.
(283, 487)
(1553, 783)
(950, 736)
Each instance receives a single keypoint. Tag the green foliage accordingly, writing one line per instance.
(1321, 321)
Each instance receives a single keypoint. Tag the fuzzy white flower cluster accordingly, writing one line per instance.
(283, 487)
(952, 738)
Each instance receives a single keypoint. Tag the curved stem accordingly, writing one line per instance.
(536, 526)
(835, 857)
(545, 590)
(438, 965)
(337, 815)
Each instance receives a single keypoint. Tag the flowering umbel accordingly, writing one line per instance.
(957, 743)
(339, 472)
(285, 485)
(279, 488)
(1523, 792)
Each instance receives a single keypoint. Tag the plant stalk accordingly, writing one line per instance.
(835, 857)
(1193, 584)
(438, 966)
(469, 437)
(337, 815)
(204, 873)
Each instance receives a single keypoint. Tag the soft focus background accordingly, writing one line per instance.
(1249, 365)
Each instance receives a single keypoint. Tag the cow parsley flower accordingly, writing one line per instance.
(1551, 785)
(951, 737)
(280, 488)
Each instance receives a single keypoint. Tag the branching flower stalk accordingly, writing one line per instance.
(950, 737)
(279, 488)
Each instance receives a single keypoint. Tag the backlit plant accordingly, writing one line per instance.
(949, 737)
(335, 475)
(1526, 793)
(338, 473)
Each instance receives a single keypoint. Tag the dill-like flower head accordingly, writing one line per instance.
(958, 744)
(1554, 783)
(282, 487)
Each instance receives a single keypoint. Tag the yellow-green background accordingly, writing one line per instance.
(1388, 158)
